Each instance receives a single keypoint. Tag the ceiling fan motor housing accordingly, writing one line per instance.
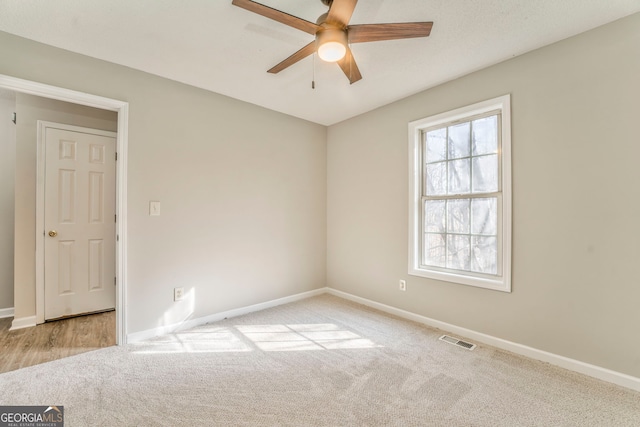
(331, 43)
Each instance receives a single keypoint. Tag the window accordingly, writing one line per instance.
(460, 196)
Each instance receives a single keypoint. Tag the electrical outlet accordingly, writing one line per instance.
(402, 285)
(178, 294)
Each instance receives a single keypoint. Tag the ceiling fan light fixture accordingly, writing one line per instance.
(332, 44)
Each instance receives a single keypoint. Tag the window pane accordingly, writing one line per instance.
(485, 174)
(435, 251)
(485, 136)
(434, 216)
(484, 254)
(458, 252)
(459, 141)
(436, 145)
(436, 184)
(458, 216)
(484, 216)
(459, 177)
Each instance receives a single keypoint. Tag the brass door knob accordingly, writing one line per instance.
(53, 233)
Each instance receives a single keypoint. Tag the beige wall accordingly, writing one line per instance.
(575, 113)
(30, 109)
(7, 162)
(243, 189)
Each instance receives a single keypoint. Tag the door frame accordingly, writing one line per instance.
(122, 108)
(43, 125)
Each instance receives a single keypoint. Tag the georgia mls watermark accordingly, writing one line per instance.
(31, 416)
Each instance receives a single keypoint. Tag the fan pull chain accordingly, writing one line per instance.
(350, 61)
(313, 78)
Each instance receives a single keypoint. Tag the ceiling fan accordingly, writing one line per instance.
(334, 34)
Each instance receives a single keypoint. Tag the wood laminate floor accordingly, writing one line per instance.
(54, 340)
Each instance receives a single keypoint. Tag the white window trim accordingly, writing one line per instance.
(500, 283)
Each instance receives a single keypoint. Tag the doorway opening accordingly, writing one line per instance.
(121, 109)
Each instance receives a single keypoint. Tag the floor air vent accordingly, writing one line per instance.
(459, 343)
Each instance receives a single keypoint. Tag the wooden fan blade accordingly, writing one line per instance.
(276, 15)
(378, 32)
(301, 54)
(349, 67)
(341, 11)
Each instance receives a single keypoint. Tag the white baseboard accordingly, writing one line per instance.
(6, 312)
(594, 371)
(191, 323)
(23, 322)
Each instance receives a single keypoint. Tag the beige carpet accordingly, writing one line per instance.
(318, 362)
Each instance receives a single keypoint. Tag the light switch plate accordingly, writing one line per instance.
(154, 208)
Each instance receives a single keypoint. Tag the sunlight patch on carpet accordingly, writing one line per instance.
(304, 337)
(199, 340)
(245, 338)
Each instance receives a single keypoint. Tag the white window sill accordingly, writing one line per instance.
(498, 284)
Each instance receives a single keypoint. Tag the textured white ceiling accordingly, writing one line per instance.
(216, 46)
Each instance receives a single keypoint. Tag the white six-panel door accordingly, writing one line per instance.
(79, 220)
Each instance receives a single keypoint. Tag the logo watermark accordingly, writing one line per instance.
(31, 416)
